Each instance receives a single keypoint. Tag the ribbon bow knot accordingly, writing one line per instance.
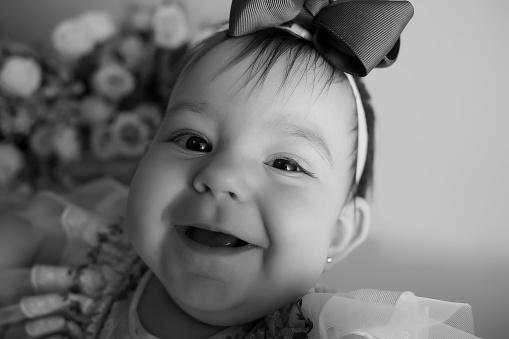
(353, 35)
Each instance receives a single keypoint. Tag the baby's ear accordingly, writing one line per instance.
(351, 228)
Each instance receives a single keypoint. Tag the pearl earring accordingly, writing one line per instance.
(329, 260)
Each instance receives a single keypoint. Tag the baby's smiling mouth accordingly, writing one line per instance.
(213, 239)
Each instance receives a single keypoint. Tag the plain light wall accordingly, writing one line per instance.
(440, 210)
(440, 207)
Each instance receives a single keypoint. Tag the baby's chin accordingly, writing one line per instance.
(238, 314)
(219, 309)
(238, 308)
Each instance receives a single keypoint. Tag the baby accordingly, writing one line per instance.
(256, 183)
(247, 192)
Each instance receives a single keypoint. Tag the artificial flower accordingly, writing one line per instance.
(20, 76)
(132, 50)
(41, 141)
(130, 134)
(141, 13)
(101, 26)
(72, 38)
(140, 18)
(101, 66)
(66, 143)
(101, 142)
(95, 110)
(113, 82)
(11, 163)
(171, 26)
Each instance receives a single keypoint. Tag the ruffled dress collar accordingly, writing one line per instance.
(369, 314)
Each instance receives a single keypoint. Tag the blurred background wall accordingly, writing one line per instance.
(440, 225)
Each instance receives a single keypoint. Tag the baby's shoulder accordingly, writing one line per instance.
(369, 313)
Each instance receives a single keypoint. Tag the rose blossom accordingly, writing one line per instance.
(142, 13)
(141, 19)
(20, 76)
(72, 38)
(171, 26)
(100, 25)
(132, 50)
(113, 82)
(11, 163)
(130, 134)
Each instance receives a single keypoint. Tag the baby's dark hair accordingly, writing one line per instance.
(271, 45)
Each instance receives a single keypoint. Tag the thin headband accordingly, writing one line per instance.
(362, 131)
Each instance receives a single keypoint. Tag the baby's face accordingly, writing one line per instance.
(232, 165)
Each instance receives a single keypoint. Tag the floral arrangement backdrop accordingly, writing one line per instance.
(88, 104)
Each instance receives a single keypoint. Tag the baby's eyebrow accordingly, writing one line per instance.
(312, 136)
(290, 129)
(193, 107)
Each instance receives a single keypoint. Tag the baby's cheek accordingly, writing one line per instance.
(144, 200)
(157, 184)
(296, 218)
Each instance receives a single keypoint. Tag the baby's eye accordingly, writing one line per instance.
(288, 164)
(192, 142)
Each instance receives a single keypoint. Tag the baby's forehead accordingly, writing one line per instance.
(266, 76)
(266, 73)
(252, 65)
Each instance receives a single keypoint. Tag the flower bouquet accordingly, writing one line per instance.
(89, 104)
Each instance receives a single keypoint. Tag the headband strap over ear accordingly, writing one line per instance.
(362, 131)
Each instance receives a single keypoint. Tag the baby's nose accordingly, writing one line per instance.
(226, 177)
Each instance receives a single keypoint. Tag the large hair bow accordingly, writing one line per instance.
(353, 35)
